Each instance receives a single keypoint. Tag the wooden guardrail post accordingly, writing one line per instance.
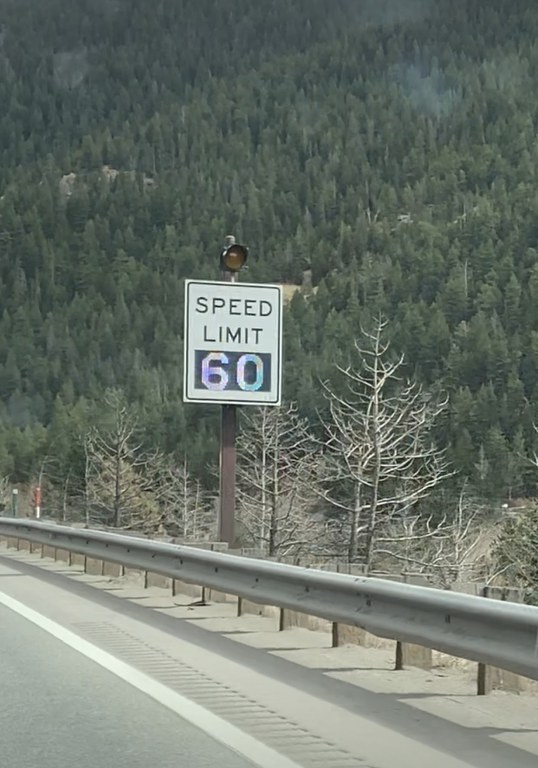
(488, 677)
(409, 654)
(335, 635)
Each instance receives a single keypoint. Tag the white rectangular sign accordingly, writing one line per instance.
(233, 343)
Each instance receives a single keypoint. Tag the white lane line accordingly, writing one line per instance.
(259, 754)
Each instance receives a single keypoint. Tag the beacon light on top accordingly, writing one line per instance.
(233, 257)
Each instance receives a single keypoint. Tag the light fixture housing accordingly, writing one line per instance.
(233, 257)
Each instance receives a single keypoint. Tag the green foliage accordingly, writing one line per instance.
(383, 154)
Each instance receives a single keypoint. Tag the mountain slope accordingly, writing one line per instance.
(387, 152)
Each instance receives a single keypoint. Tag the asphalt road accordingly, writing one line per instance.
(59, 709)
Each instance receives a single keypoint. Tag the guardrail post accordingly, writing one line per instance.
(409, 654)
(399, 660)
(488, 677)
(484, 682)
(335, 641)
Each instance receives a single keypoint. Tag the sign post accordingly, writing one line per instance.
(233, 356)
(227, 461)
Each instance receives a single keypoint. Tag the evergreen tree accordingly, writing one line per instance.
(379, 175)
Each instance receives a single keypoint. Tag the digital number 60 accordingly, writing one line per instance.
(216, 372)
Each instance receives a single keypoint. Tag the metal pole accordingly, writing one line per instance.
(228, 432)
(227, 474)
(14, 502)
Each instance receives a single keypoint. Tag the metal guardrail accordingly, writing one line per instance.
(502, 634)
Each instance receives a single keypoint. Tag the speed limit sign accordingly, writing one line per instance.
(233, 343)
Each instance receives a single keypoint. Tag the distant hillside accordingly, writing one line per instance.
(386, 149)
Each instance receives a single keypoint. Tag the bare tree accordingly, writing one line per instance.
(185, 507)
(4, 486)
(380, 455)
(86, 490)
(118, 471)
(449, 549)
(278, 468)
(128, 487)
(64, 504)
(515, 550)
